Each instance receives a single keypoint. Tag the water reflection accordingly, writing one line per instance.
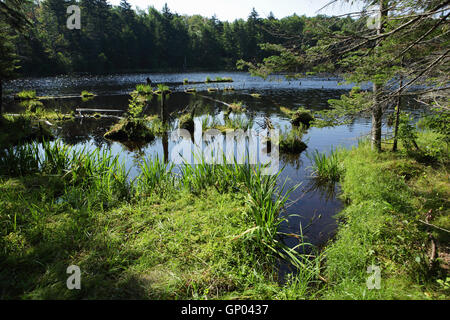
(313, 206)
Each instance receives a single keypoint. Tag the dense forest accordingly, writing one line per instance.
(117, 38)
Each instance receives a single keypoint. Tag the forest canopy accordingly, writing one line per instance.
(118, 38)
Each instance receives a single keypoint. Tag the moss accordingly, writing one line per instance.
(26, 95)
(299, 117)
(130, 130)
(236, 107)
(87, 94)
(186, 121)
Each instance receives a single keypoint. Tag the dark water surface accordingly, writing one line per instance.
(311, 205)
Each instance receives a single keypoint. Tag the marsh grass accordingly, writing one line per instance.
(291, 142)
(162, 88)
(86, 94)
(26, 95)
(387, 195)
(298, 117)
(144, 89)
(327, 167)
(210, 231)
(156, 176)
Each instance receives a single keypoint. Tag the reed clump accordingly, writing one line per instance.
(86, 94)
(291, 142)
(26, 95)
(327, 167)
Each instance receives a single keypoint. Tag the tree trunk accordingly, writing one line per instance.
(377, 111)
(397, 116)
(1, 96)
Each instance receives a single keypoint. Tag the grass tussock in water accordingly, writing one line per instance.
(291, 142)
(218, 79)
(327, 168)
(26, 95)
(86, 94)
(298, 117)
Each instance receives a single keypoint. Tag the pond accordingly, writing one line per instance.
(313, 208)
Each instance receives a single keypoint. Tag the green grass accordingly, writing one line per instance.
(291, 142)
(299, 117)
(86, 94)
(218, 79)
(161, 236)
(162, 88)
(144, 89)
(387, 195)
(130, 130)
(327, 167)
(26, 95)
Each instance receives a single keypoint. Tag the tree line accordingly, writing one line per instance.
(118, 38)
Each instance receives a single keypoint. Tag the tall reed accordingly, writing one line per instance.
(326, 168)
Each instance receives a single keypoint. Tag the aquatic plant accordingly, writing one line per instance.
(31, 105)
(237, 122)
(186, 81)
(209, 122)
(130, 130)
(144, 89)
(86, 94)
(256, 95)
(186, 121)
(291, 142)
(299, 116)
(156, 176)
(26, 95)
(235, 107)
(162, 88)
(326, 167)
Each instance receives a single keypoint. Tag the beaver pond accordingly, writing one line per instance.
(313, 207)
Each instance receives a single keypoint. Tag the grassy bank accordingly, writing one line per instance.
(207, 232)
(388, 195)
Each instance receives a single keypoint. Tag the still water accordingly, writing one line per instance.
(311, 207)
